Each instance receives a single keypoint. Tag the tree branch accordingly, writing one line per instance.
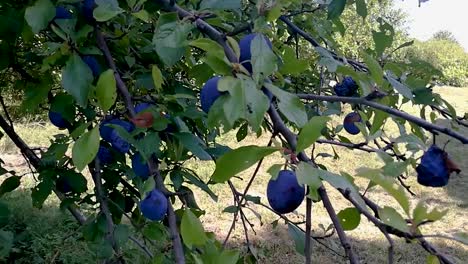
(101, 198)
(152, 164)
(359, 100)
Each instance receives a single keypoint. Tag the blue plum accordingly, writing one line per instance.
(154, 206)
(118, 143)
(433, 170)
(245, 51)
(62, 13)
(105, 155)
(285, 194)
(57, 120)
(142, 107)
(140, 167)
(349, 123)
(87, 9)
(63, 185)
(93, 64)
(209, 93)
(106, 131)
(348, 87)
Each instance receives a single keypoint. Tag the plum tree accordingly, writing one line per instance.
(435, 168)
(284, 193)
(209, 93)
(348, 87)
(349, 123)
(140, 167)
(154, 206)
(245, 49)
(57, 120)
(161, 53)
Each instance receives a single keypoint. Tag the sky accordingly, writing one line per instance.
(435, 15)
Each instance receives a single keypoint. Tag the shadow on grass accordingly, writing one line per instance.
(276, 247)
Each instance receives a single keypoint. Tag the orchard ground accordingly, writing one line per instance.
(51, 236)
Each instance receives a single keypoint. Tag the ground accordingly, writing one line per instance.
(50, 235)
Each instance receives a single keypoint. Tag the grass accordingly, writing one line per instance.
(273, 245)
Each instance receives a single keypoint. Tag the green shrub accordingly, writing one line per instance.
(447, 56)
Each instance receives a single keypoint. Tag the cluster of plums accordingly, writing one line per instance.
(154, 205)
(435, 168)
(348, 87)
(209, 92)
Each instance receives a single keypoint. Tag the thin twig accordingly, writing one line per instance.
(359, 100)
(307, 249)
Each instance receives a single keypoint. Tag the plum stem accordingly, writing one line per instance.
(307, 249)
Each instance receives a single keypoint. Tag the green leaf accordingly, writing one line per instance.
(306, 174)
(421, 213)
(4, 214)
(432, 259)
(274, 170)
(400, 87)
(158, 78)
(219, 65)
(388, 184)
(349, 218)
(391, 217)
(76, 180)
(147, 146)
(461, 237)
(106, 10)
(39, 15)
(379, 118)
(231, 209)
(40, 193)
(121, 234)
(242, 132)
(155, 231)
(9, 184)
(340, 182)
(245, 101)
(208, 45)
(292, 65)
(199, 183)
(143, 15)
(192, 230)
(311, 132)
(327, 59)
(375, 69)
(170, 38)
(383, 39)
(238, 160)
(194, 144)
(85, 148)
(76, 79)
(264, 61)
(298, 236)
(394, 169)
(148, 186)
(290, 105)
(6, 243)
(361, 8)
(106, 90)
(335, 8)
(221, 4)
